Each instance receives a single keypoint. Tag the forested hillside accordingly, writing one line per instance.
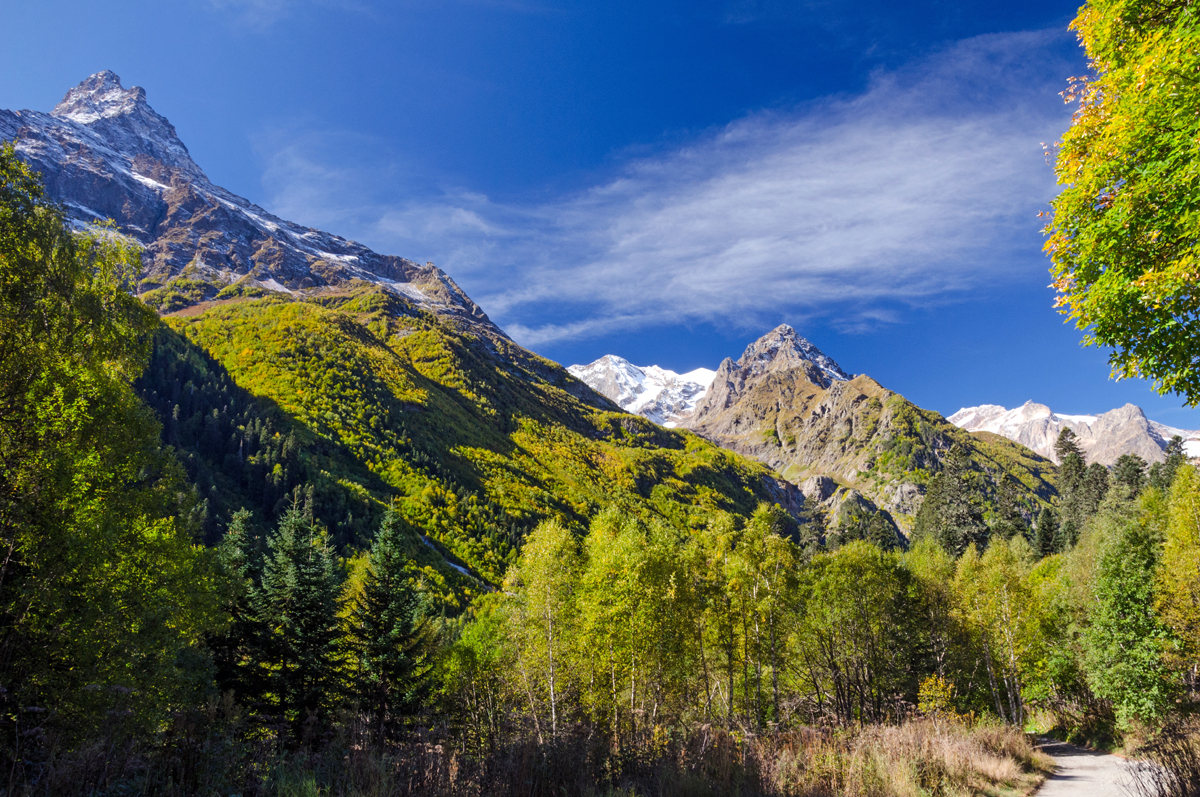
(366, 400)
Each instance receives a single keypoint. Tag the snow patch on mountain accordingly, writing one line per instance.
(1103, 438)
(663, 396)
(104, 153)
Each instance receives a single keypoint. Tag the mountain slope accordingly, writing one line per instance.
(296, 365)
(475, 446)
(1103, 438)
(793, 408)
(663, 396)
(104, 153)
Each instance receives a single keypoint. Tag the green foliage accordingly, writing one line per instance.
(183, 291)
(370, 401)
(103, 595)
(1162, 474)
(1130, 470)
(1123, 237)
(997, 608)
(1008, 521)
(1179, 569)
(297, 604)
(1125, 642)
(1045, 533)
(857, 647)
(951, 512)
(391, 639)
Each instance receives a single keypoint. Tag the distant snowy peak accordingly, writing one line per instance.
(1103, 438)
(104, 153)
(663, 396)
(782, 349)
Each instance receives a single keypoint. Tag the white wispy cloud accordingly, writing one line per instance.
(921, 188)
(262, 14)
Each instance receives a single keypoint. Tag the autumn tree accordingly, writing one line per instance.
(1124, 237)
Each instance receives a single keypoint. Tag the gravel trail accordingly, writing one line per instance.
(1085, 773)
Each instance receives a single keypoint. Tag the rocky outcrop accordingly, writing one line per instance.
(104, 153)
(1104, 438)
(788, 405)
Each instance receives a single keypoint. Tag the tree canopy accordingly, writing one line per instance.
(1123, 236)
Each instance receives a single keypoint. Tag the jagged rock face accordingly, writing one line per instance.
(779, 351)
(1104, 438)
(104, 153)
(791, 407)
(663, 396)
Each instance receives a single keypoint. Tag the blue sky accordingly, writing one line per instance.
(660, 180)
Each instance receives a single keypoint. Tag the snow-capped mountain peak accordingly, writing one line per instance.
(101, 95)
(1103, 438)
(104, 153)
(663, 396)
(783, 349)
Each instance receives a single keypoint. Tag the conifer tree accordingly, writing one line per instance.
(1130, 470)
(298, 601)
(881, 531)
(1066, 444)
(1008, 521)
(1073, 492)
(1162, 474)
(237, 651)
(1045, 533)
(1095, 487)
(951, 513)
(391, 639)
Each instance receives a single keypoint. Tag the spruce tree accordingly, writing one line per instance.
(1095, 487)
(298, 601)
(1008, 521)
(238, 650)
(1073, 497)
(1162, 474)
(1045, 533)
(881, 531)
(390, 636)
(951, 512)
(1130, 470)
(1067, 444)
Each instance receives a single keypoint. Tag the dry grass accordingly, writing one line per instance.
(920, 758)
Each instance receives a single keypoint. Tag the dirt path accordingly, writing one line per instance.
(1085, 773)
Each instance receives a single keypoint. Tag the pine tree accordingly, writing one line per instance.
(1162, 474)
(1045, 533)
(951, 513)
(881, 531)
(298, 601)
(1095, 487)
(1008, 522)
(1130, 470)
(1067, 444)
(237, 651)
(1072, 495)
(391, 639)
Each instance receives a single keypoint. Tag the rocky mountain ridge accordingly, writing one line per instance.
(104, 153)
(1103, 438)
(661, 395)
(850, 444)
